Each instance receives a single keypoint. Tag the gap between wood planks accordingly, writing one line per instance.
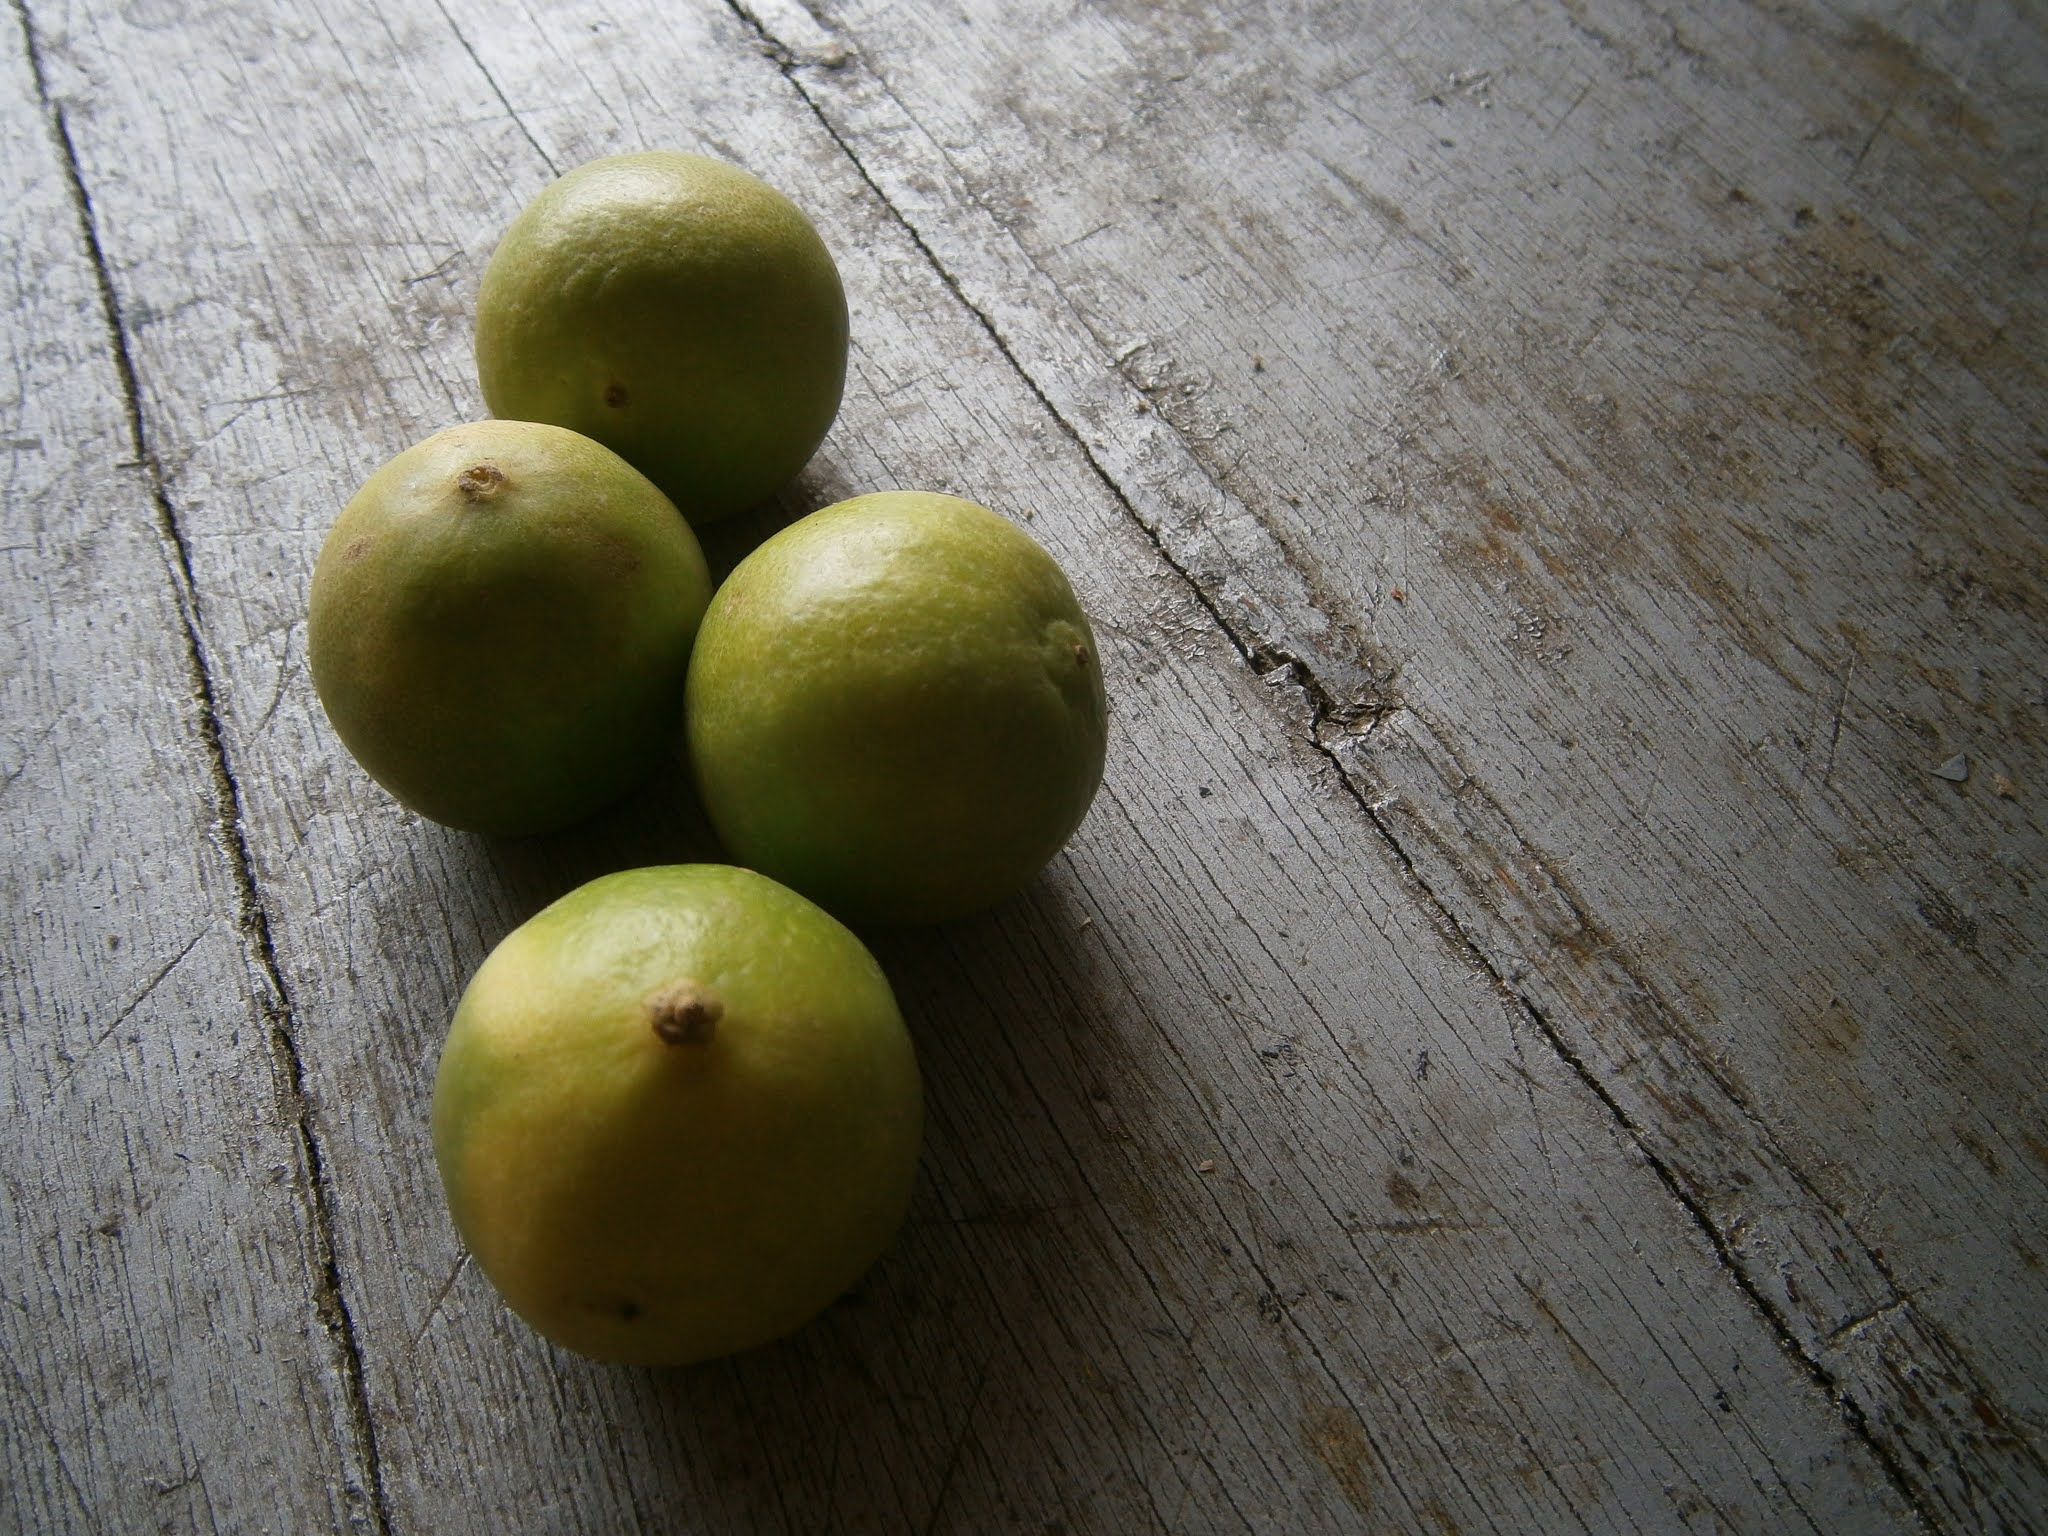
(1334, 719)
(252, 918)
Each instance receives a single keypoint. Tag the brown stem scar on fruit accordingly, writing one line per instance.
(685, 1014)
(615, 395)
(480, 482)
(1080, 654)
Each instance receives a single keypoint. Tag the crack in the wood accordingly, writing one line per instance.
(503, 100)
(253, 919)
(1845, 1402)
(1263, 656)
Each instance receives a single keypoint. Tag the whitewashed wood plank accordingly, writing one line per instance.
(162, 1274)
(1423, 1280)
(1584, 399)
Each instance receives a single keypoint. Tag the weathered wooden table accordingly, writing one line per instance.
(1542, 1029)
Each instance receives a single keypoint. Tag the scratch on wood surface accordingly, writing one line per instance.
(1395, 218)
(33, 745)
(26, 1392)
(1571, 107)
(1421, 1226)
(135, 1002)
(1548, 1313)
(287, 669)
(440, 1296)
(1529, 1086)
(967, 1429)
(1827, 768)
(1876, 131)
(1013, 1215)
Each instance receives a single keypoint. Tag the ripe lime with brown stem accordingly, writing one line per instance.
(499, 625)
(677, 1114)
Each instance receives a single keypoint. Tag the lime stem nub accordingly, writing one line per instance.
(685, 1014)
(480, 482)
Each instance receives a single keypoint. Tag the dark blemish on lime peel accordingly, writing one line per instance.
(615, 395)
(480, 482)
(684, 1014)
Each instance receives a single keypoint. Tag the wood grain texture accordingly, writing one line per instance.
(1312, 1149)
(172, 1358)
(1628, 426)
(1350, 1311)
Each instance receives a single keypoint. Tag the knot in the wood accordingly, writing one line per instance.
(685, 1014)
(480, 482)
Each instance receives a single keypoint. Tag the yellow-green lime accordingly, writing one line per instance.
(500, 623)
(895, 706)
(677, 1114)
(678, 310)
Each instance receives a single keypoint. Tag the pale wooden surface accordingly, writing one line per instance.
(1527, 1040)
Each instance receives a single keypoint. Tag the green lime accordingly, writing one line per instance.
(500, 622)
(896, 707)
(676, 1115)
(678, 310)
